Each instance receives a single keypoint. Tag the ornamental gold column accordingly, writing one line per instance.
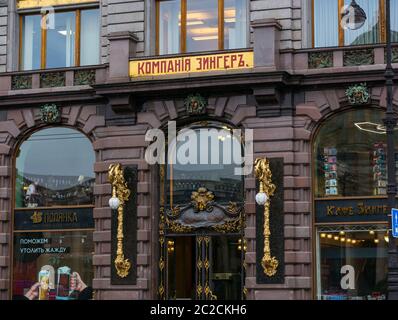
(120, 194)
(267, 189)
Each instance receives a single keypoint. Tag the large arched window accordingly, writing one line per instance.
(53, 220)
(350, 185)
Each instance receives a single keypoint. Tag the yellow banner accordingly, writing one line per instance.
(191, 64)
(24, 4)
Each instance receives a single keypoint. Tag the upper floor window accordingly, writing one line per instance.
(329, 18)
(205, 25)
(60, 39)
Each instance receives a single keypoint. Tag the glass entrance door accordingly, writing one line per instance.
(205, 267)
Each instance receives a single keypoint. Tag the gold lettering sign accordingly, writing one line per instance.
(54, 217)
(24, 4)
(360, 209)
(192, 64)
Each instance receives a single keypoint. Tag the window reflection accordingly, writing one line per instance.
(54, 167)
(202, 25)
(326, 23)
(169, 26)
(350, 155)
(31, 42)
(210, 164)
(90, 37)
(235, 21)
(61, 41)
(370, 31)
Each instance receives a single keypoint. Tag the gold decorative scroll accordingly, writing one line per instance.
(264, 176)
(121, 191)
(25, 4)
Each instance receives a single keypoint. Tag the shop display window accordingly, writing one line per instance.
(352, 262)
(350, 155)
(53, 216)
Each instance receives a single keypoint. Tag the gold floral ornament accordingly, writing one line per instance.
(202, 199)
(264, 176)
(121, 191)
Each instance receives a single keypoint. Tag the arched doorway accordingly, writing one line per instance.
(202, 215)
(53, 215)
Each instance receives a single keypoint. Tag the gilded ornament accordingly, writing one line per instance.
(209, 294)
(178, 227)
(121, 191)
(202, 199)
(264, 176)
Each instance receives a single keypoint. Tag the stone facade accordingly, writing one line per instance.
(282, 99)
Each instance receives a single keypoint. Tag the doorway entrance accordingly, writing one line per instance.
(205, 267)
(202, 217)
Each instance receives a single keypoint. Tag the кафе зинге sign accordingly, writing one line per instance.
(349, 210)
(192, 64)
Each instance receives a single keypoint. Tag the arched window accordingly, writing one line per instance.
(53, 220)
(350, 186)
(202, 207)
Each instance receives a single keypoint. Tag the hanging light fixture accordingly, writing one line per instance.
(353, 16)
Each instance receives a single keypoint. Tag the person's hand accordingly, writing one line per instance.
(77, 282)
(33, 291)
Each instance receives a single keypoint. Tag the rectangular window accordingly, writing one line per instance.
(207, 25)
(69, 38)
(347, 22)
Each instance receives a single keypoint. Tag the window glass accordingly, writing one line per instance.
(202, 25)
(370, 31)
(52, 259)
(54, 167)
(350, 155)
(90, 37)
(211, 163)
(326, 23)
(53, 216)
(169, 26)
(61, 41)
(352, 262)
(31, 42)
(394, 21)
(235, 19)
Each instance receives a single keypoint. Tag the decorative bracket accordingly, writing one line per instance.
(121, 191)
(264, 176)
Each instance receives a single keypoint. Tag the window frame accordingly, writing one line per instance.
(43, 51)
(183, 28)
(340, 4)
